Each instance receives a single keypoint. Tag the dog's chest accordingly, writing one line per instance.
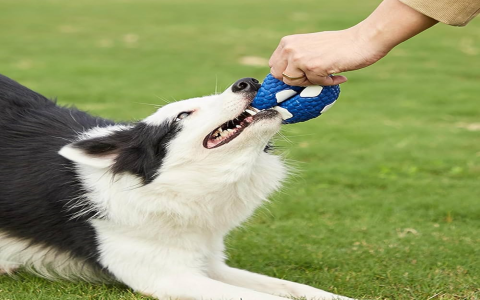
(157, 244)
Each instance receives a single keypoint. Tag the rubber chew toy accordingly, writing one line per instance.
(295, 103)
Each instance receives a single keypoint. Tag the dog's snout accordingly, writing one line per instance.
(246, 85)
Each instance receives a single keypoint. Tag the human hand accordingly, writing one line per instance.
(309, 59)
(315, 56)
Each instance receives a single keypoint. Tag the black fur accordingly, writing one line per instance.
(140, 150)
(38, 186)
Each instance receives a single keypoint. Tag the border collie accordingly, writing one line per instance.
(147, 204)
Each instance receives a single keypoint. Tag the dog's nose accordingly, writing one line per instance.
(246, 85)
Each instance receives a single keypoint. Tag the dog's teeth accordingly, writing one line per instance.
(238, 126)
(230, 130)
(251, 112)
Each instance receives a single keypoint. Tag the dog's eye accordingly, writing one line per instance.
(183, 115)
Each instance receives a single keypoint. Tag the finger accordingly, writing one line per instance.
(294, 76)
(326, 81)
(277, 63)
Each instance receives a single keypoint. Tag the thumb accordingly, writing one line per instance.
(327, 81)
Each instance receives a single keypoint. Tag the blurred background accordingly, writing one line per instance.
(385, 202)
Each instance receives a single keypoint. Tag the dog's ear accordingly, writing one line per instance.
(138, 150)
(98, 152)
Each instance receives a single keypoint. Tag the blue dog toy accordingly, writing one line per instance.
(295, 103)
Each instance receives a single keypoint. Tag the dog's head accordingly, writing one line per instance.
(200, 145)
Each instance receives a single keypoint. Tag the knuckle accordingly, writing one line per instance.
(289, 49)
(270, 63)
(286, 40)
(288, 46)
(297, 57)
(332, 70)
(276, 74)
(311, 68)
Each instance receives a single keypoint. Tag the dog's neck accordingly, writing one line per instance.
(203, 196)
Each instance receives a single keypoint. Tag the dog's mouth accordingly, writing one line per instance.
(229, 130)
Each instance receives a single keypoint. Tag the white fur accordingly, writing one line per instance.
(165, 238)
(43, 261)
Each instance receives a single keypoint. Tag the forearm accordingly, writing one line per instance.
(392, 23)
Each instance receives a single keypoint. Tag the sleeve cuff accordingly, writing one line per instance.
(451, 12)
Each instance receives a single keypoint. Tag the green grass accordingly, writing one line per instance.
(386, 203)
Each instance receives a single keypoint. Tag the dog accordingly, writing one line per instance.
(147, 204)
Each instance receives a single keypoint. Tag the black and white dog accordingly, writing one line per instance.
(147, 204)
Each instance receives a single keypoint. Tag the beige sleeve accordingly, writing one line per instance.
(451, 12)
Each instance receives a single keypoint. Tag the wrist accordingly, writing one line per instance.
(373, 37)
(392, 23)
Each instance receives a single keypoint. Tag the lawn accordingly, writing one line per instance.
(386, 200)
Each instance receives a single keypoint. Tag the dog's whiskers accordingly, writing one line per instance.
(285, 138)
(163, 99)
(156, 105)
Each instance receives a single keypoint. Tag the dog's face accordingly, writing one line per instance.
(209, 131)
(222, 124)
(209, 149)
